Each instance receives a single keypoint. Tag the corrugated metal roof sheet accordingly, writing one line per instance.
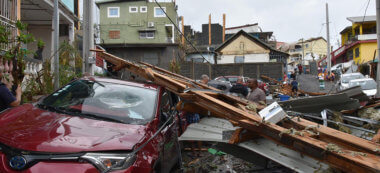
(360, 19)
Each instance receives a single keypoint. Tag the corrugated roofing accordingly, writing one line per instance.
(360, 19)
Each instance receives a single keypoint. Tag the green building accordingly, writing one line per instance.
(139, 30)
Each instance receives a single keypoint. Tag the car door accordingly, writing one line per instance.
(170, 148)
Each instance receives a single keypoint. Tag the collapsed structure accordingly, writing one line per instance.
(337, 149)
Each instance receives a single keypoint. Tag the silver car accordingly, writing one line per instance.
(346, 78)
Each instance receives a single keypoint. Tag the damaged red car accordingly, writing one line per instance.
(93, 125)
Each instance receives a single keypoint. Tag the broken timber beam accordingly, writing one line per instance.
(339, 150)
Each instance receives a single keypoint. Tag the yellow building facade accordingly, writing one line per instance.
(358, 41)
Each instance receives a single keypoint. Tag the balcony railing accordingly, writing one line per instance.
(8, 14)
(366, 37)
(362, 37)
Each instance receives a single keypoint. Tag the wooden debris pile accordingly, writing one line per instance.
(202, 99)
(287, 88)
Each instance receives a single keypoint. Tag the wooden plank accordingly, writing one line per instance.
(223, 106)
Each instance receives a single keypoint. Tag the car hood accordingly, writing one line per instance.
(29, 128)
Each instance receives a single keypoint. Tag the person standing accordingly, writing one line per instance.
(7, 99)
(256, 94)
(300, 68)
(205, 79)
(239, 88)
(285, 78)
(294, 87)
(293, 76)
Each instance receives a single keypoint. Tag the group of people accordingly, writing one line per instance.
(325, 75)
(255, 94)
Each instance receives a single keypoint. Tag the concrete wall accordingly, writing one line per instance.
(248, 58)
(253, 70)
(43, 32)
(367, 51)
(129, 24)
(159, 56)
(317, 47)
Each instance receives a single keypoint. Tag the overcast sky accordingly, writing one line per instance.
(289, 20)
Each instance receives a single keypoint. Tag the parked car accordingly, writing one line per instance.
(219, 84)
(346, 78)
(368, 85)
(232, 79)
(93, 125)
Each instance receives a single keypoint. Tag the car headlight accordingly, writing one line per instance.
(110, 161)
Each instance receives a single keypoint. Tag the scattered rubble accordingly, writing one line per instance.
(200, 98)
(214, 163)
(334, 148)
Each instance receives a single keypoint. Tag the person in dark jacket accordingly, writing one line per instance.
(239, 88)
(7, 99)
(294, 87)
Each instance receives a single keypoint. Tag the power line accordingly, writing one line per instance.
(365, 12)
(175, 25)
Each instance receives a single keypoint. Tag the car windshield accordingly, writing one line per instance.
(346, 79)
(366, 85)
(104, 101)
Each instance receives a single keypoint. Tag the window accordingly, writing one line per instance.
(241, 45)
(357, 53)
(306, 45)
(133, 9)
(169, 28)
(158, 12)
(147, 34)
(143, 9)
(114, 34)
(239, 59)
(166, 107)
(113, 12)
(104, 101)
(63, 30)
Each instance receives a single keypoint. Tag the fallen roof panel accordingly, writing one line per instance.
(214, 129)
(336, 102)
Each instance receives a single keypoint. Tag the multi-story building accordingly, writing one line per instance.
(139, 30)
(358, 41)
(310, 49)
(38, 15)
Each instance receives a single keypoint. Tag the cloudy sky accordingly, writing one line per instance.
(289, 20)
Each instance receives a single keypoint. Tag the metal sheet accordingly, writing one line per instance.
(355, 93)
(336, 102)
(211, 129)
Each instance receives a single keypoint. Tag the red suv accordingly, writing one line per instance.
(93, 125)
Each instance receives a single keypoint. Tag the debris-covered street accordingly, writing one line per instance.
(179, 86)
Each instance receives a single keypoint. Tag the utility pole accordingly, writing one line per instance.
(328, 39)
(224, 28)
(209, 30)
(378, 46)
(88, 35)
(56, 44)
(303, 53)
(183, 31)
